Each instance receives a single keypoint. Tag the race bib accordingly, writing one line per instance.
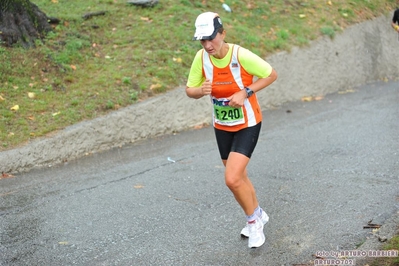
(226, 115)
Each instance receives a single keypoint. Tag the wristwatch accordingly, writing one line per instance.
(249, 92)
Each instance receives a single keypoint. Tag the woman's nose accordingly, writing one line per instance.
(206, 43)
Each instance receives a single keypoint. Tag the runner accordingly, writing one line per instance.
(395, 20)
(226, 72)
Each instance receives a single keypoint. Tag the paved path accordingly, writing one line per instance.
(322, 170)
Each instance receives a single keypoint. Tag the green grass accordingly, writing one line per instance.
(392, 244)
(87, 68)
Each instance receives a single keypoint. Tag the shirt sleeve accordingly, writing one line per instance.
(253, 64)
(195, 77)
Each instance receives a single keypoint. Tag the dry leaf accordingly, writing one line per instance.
(307, 98)
(5, 175)
(15, 108)
(347, 91)
(178, 60)
(155, 86)
(375, 230)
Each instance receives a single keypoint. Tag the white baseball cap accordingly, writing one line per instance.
(206, 26)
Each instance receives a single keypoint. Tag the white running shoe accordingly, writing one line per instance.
(256, 235)
(264, 218)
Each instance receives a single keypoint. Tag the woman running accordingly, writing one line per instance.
(232, 75)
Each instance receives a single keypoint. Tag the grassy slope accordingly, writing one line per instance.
(87, 68)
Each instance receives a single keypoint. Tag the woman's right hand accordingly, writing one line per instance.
(206, 87)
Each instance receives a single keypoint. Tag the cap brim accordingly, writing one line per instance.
(204, 38)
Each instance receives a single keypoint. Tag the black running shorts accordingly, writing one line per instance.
(242, 141)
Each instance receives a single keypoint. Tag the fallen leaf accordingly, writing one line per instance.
(307, 98)
(375, 230)
(155, 86)
(346, 91)
(5, 175)
(178, 60)
(15, 108)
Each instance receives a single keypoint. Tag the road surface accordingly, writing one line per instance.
(322, 170)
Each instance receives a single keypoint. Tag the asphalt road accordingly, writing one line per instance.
(322, 170)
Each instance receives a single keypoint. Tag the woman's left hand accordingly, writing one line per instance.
(237, 99)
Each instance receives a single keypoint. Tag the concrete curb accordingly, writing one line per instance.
(363, 53)
(377, 239)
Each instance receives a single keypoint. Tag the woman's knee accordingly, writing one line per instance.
(233, 181)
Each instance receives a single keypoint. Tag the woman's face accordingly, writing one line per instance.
(214, 47)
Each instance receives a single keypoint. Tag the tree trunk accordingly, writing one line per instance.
(21, 22)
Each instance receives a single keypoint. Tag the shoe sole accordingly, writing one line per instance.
(246, 236)
(258, 244)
